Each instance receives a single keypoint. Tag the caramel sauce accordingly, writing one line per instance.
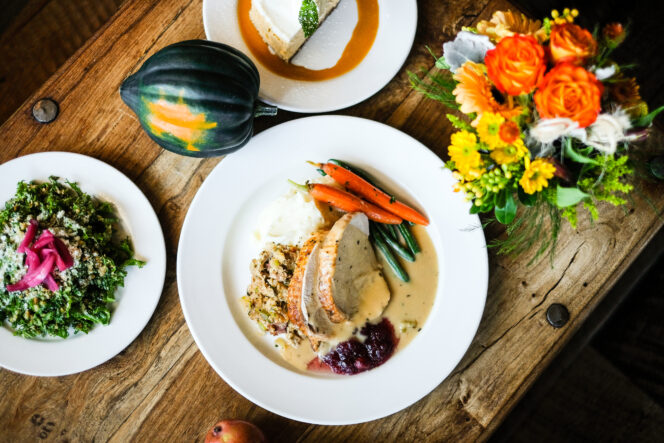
(357, 48)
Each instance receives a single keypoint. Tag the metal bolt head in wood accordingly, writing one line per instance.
(45, 110)
(656, 165)
(557, 315)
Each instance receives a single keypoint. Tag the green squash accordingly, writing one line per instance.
(196, 98)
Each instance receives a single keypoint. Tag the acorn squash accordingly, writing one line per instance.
(196, 98)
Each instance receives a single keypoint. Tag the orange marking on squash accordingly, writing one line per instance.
(178, 120)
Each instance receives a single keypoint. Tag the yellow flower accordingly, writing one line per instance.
(507, 23)
(536, 176)
(506, 155)
(488, 128)
(567, 16)
(463, 151)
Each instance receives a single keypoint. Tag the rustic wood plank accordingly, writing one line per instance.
(40, 39)
(633, 300)
(160, 386)
(589, 395)
(634, 340)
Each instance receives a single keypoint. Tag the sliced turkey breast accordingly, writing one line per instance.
(300, 280)
(347, 267)
(319, 326)
(304, 310)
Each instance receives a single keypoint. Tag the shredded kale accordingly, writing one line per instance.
(87, 290)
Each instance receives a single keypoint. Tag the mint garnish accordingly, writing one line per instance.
(309, 17)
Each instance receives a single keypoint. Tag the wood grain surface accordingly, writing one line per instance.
(41, 36)
(161, 387)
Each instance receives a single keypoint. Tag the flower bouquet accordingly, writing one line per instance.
(548, 121)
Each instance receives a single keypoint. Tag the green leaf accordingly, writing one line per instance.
(506, 214)
(647, 120)
(474, 209)
(436, 86)
(308, 17)
(501, 199)
(441, 63)
(569, 196)
(486, 207)
(526, 199)
(576, 156)
(458, 123)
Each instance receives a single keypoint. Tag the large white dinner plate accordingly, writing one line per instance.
(216, 248)
(134, 304)
(396, 32)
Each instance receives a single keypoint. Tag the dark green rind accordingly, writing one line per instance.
(217, 80)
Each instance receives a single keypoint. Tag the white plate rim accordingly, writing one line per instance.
(393, 68)
(479, 285)
(81, 352)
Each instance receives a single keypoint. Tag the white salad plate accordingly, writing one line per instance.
(396, 33)
(135, 302)
(217, 245)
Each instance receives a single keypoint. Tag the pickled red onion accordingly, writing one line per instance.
(46, 252)
(29, 236)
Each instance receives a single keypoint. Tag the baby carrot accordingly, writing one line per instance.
(363, 188)
(349, 203)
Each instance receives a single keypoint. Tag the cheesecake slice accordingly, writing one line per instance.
(277, 22)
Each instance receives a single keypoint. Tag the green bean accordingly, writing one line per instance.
(389, 257)
(394, 244)
(404, 229)
(393, 231)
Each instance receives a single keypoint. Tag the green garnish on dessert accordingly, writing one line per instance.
(308, 17)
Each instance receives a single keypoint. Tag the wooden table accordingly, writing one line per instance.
(161, 387)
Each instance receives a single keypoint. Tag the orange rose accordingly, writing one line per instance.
(516, 64)
(569, 91)
(571, 43)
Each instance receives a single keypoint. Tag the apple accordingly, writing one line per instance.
(235, 431)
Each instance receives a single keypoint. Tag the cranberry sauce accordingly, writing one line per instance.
(353, 356)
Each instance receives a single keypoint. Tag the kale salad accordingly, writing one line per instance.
(61, 260)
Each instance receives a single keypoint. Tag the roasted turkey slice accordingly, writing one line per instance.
(303, 289)
(346, 258)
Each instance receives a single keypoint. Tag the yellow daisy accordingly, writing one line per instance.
(488, 128)
(506, 155)
(537, 175)
(464, 153)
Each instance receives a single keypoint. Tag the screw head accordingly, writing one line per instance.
(656, 165)
(557, 315)
(45, 110)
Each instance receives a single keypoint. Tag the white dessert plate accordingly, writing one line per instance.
(396, 32)
(134, 304)
(216, 249)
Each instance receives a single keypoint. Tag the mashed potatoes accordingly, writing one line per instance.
(289, 220)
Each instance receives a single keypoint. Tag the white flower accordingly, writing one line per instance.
(467, 46)
(548, 130)
(608, 130)
(604, 73)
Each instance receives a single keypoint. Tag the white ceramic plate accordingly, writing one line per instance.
(216, 249)
(396, 32)
(135, 302)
